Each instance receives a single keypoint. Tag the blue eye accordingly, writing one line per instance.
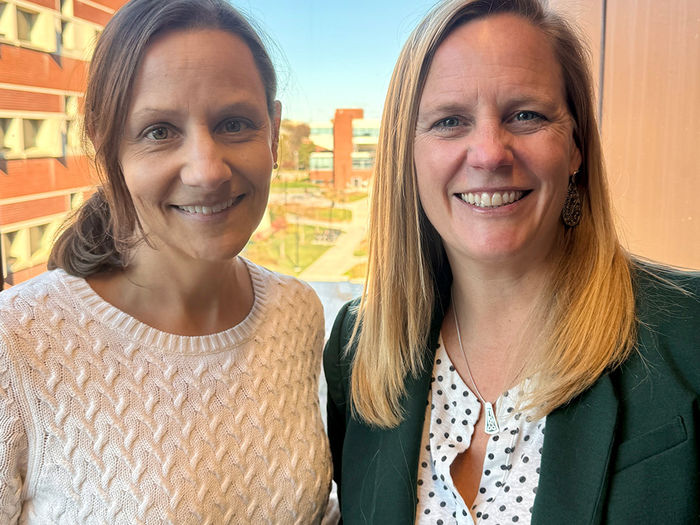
(527, 115)
(449, 122)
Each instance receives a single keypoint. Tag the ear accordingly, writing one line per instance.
(575, 158)
(276, 118)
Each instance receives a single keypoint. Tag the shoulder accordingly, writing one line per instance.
(33, 313)
(668, 320)
(35, 296)
(337, 356)
(279, 284)
(284, 295)
(666, 296)
(343, 327)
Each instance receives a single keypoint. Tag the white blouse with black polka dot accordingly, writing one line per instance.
(511, 467)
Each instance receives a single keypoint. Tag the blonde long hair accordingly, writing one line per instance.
(589, 322)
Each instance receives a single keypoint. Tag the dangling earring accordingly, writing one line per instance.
(571, 214)
(275, 166)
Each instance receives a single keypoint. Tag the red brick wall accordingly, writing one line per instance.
(51, 4)
(23, 211)
(20, 67)
(112, 4)
(28, 101)
(25, 177)
(342, 146)
(361, 174)
(88, 12)
(38, 69)
(23, 275)
(325, 176)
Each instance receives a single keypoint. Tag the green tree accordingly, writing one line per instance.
(295, 145)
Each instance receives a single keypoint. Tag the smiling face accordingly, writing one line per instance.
(199, 144)
(494, 143)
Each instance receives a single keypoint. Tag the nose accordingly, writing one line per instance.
(489, 146)
(205, 166)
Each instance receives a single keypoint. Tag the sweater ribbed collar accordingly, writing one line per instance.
(91, 306)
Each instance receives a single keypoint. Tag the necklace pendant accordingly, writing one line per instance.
(490, 422)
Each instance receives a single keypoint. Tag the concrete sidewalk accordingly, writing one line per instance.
(339, 258)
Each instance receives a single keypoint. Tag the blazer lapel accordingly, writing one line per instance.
(575, 458)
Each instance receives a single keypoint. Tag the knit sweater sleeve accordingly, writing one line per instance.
(13, 441)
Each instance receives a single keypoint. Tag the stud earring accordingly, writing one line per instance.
(571, 214)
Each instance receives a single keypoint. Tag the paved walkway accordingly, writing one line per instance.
(339, 258)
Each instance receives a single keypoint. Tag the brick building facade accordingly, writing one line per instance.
(349, 158)
(45, 46)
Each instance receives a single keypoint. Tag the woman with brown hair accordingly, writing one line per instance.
(154, 375)
(508, 360)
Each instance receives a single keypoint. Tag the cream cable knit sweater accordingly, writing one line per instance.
(106, 420)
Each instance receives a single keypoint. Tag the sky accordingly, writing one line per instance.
(332, 54)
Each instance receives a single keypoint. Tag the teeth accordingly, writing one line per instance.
(491, 200)
(207, 210)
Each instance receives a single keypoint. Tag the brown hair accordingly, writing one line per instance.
(588, 310)
(101, 233)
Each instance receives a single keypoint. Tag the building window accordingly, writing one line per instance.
(5, 21)
(29, 246)
(76, 36)
(9, 137)
(76, 200)
(41, 239)
(26, 24)
(31, 131)
(362, 163)
(42, 137)
(321, 131)
(365, 132)
(15, 250)
(67, 7)
(36, 29)
(321, 162)
(36, 238)
(71, 105)
(73, 138)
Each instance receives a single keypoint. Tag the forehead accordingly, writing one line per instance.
(187, 58)
(503, 47)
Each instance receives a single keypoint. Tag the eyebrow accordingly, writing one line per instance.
(457, 108)
(242, 106)
(442, 109)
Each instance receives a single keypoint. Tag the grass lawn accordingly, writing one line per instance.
(279, 186)
(279, 252)
(315, 213)
(359, 271)
(344, 196)
(361, 250)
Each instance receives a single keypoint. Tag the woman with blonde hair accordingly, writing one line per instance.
(508, 360)
(153, 375)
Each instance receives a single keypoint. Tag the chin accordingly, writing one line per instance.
(216, 252)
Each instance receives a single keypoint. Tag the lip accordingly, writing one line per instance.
(208, 209)
(492, 199)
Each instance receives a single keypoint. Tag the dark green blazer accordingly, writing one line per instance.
(625, 451)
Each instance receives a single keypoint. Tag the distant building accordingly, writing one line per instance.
(44, 49)
(350, 141)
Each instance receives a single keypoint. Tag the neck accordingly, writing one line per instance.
(179, 295)
(498, 314)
